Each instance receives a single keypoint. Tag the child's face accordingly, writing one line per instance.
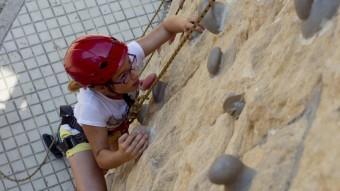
(126, 79)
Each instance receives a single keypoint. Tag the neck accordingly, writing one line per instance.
(112, 94)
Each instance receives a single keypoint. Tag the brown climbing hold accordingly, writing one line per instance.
(158, 91)
(322, 10)
(225, 170)
(214, 60)
(303, 8)
(142, 114)
(213, 21)
(234, 105)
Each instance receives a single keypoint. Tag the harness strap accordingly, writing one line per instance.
(71, 141)
(67, 117)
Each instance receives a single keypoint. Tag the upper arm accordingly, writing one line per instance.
(97, 137)
(154, 39)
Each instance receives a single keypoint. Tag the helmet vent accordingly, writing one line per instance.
(103, 65)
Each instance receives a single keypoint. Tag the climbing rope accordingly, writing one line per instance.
(153, 18)
(31, 175)
(180, 6)
(138, 105)
(152, 54)
(146, 30)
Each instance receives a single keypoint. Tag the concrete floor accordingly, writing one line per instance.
(33, 81)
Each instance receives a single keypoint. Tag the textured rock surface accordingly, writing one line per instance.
(289, 130)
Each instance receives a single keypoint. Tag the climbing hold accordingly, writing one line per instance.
(158, 91)
(195, 34)
(234, 105)
(144, 130)
(225, 170)
(143, 114)
(213, 21)
(214, 60)
(147, 82)
(303, 8)
(322, 10)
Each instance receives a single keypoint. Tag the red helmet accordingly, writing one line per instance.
(94, 59)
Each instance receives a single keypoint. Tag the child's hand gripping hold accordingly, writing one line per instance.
(132, 146)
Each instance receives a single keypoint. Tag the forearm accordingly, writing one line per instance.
(174, 24)
(155, 39)
(108, 159)
(162, 33)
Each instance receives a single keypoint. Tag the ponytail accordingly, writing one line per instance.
(73, 86)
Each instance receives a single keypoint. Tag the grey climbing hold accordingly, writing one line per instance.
(322, 10)
(234, 105)
(214, 60)
(225, 170)
(158, 91)
(143, 114)
(213, 21)
(195, 34)
(303, 8)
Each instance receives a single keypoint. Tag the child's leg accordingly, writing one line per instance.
(88, 176)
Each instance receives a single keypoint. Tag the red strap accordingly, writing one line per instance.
(122, 128)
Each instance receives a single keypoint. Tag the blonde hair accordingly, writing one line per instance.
(73, 86)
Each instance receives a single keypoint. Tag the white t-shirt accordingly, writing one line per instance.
(95, 109)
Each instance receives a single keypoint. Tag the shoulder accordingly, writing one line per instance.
(136, 49)
(89, 110)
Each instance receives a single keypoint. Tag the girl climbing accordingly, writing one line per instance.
(104, 73)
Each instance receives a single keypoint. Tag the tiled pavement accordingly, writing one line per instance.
(33, 82)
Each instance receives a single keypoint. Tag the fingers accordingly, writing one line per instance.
(122, 138)
(193, 25)
(133, 145)
(137, 147)
(125, 140)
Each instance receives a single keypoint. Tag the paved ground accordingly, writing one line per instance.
(33, 82)
(2, 4)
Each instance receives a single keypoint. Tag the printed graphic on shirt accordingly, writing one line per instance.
(114, 122)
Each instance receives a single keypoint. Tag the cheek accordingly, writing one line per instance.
(125, 88)
(133, 77)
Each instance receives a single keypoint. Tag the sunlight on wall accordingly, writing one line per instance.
(6, 85)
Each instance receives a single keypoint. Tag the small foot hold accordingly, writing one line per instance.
(158, 92)
(214, 20)
(225, 170)
(142, 114)
(303, 8)
(214, 60)
(321, 11)
(234, 105)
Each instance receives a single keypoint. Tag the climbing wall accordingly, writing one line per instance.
(250, 104)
